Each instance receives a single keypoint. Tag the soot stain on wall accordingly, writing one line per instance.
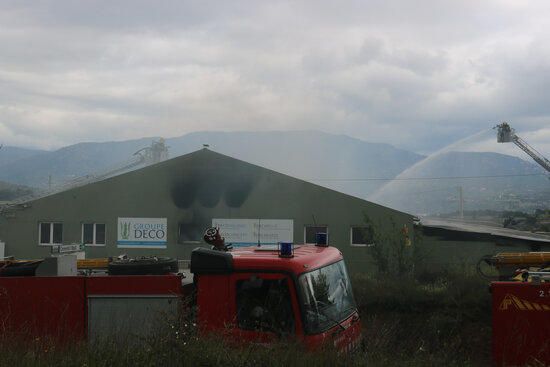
(210, 192)
(184, 192)
(208, 186)
(193, 228)
(237, 191)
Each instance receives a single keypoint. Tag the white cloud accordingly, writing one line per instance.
(419, 75)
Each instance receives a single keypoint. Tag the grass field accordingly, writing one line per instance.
(444, 321)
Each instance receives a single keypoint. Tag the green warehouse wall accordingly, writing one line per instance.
(191, 190)
(454, 250)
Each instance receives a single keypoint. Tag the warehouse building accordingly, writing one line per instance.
(455, 244)
(163, 209)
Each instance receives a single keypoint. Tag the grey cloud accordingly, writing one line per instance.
(415, 74)
(121, 15)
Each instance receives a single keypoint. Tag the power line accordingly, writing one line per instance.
(424, 178)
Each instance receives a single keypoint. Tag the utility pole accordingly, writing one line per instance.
(460, 202)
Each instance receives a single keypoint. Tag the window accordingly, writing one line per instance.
(264, 305)
(310, 233)
(93, 234)
(362, 236)
(190, 233)
(327, 298)
(50, 233)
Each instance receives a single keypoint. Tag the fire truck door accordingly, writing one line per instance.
(264, 306)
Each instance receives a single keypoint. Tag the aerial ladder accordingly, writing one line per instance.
(505, 134)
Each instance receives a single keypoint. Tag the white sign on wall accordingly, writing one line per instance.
(247, 232)
(142, 233)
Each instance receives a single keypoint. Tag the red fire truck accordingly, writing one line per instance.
(259, 294)
(264, 295)
(521, 309)
(521, 323)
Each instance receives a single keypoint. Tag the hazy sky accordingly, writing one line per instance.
(415, 74)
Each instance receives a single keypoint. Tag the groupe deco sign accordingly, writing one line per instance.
(142, 233)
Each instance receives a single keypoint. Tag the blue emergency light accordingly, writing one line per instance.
(286, 249)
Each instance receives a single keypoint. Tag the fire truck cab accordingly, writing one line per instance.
(266, 293)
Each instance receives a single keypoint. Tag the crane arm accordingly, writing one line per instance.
(537, 157)
(506, 134)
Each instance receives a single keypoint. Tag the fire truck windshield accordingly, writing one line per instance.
(327, 298)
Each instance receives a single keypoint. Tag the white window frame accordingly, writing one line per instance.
(357, 244)
(51, 243)
(315, 225)
(94, 244)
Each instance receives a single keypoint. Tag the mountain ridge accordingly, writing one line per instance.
(336, 161)
(306, 154)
